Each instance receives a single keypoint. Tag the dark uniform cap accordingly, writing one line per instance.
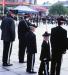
(61, 20)
(9, 14)
(46, 34)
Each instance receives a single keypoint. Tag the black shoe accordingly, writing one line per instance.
(31, 72)
(22, 61)
(7, 64)
(40, 73)
(28, 71)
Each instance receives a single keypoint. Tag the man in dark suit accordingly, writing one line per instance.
(58, 45)
(8, 36)
(23, 28)
(31, 49)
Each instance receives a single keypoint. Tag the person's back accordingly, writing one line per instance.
(23, 28)
(8, 36)
(31, 42)
(8, 29)
(31, 49)
(58, 46)
(58, 38)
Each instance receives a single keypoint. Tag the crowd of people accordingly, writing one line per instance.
(27, 41)
(49, 19)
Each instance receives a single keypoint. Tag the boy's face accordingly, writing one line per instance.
(46, 38)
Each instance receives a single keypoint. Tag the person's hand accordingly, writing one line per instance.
(64, 52)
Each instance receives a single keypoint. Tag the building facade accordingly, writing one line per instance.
(18, 2)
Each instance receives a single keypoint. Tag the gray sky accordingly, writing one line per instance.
(51, 1)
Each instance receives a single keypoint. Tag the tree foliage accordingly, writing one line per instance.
(67, 10)
(57, 9)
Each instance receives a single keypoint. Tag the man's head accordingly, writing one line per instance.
(10, 14)
(60, 20)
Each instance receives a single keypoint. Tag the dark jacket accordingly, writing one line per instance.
(8, 29)
(31, 42)
(58, 39)
(45, 51)
(23, 27)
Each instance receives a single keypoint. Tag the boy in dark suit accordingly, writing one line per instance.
(31, 49)
(45, 54)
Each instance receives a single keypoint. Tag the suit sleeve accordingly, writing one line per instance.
(42, 55)
(12, 30)
(52, 38)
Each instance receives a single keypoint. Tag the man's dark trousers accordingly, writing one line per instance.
(22, 47)
(6, 46)
(56, 60)
(30, 61)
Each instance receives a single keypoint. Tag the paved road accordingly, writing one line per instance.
(20, 69)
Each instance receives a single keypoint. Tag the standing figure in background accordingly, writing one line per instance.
(58, 45)
(45, 55)
(23, 28)
(8, 36)
(31, 49)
